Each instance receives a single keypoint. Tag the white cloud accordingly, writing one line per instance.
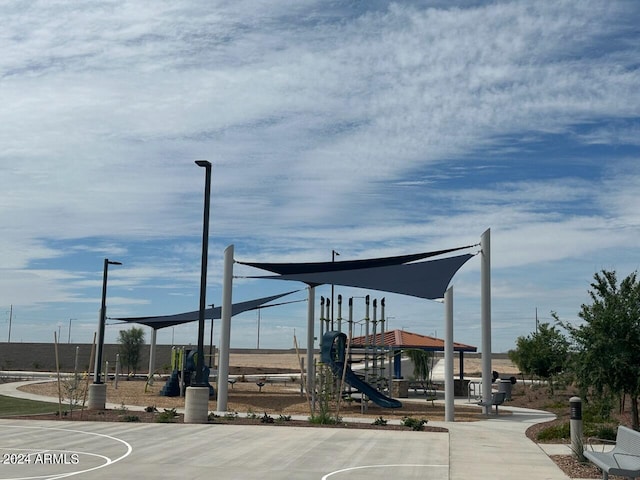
(371, 128)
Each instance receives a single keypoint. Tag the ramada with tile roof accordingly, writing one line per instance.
(403, 340)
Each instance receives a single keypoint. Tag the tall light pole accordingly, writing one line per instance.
(69, 339)
(103, 313)
(333, 259)
(200, 381)
(10, 318)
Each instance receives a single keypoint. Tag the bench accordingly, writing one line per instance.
(429, 390)
(497, 398)
(623, 460)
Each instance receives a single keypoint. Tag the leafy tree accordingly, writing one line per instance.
(608, 343)
(131, 342)
(543, 353)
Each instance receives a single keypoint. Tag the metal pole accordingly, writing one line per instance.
(200, 380)
(382, 342)
(448, 357)
(333, 259)
(225, 330)
(328, 317)
(485, 294)
(350, 320)
(115, 380)
(103, 311)
(310, 343)
(321, 319)
(366, 339)
(211, 341)
(10, 318)
(152, 355)
(258, 342)
(375, 346)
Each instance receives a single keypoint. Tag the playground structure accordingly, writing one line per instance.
(337, 354)
(183, 370)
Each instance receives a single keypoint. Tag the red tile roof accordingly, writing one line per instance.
(404, 339)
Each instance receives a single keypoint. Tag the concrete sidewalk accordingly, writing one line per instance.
(496, 448)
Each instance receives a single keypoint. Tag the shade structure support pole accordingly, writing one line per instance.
(448, 357)
(485, 295)
(225, 330)
(311, 378)
(152, 355)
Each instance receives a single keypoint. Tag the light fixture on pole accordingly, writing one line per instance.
(103, 313)
(200, 381)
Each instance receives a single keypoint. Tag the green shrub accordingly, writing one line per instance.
(414, 423)
(555, 432)
(324, 418)
(284, 418)
(379, 421)
(600, 430)
(266, 418)
(168, 416)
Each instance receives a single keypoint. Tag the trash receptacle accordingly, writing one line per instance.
(505, 386)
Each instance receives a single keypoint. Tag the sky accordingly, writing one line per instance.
(368, 128)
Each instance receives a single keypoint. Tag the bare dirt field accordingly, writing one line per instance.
(276, 398)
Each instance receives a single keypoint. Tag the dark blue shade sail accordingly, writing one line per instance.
(428, 279)
(215, 313)
(318, 267)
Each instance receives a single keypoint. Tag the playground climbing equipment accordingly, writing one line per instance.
(373, 381)
(183, 370)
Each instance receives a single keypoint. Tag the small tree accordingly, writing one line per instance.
(131, 342)
(542, 353)
(608, 343)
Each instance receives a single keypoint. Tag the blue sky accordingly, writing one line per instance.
(372, 128)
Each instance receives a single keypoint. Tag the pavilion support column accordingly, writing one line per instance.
(225, 330)
(448, 357)
(485, 294)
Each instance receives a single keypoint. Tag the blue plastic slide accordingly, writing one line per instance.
(333, 354)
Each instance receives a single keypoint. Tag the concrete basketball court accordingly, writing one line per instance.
(94, 450)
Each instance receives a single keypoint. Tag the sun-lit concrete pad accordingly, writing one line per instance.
(159, 451)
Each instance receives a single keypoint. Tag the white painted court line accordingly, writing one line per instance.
(107, 461)
(361, 467)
